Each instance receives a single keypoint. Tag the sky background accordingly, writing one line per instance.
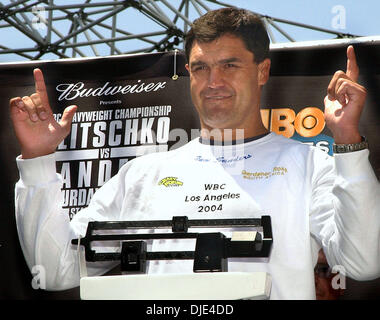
(346, 16)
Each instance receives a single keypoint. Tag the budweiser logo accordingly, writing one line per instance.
(71, 91)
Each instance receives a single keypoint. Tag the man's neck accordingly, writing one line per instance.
(231, 136)
(227, 135)
(231, 142)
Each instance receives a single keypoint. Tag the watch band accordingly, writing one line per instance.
(351, 147)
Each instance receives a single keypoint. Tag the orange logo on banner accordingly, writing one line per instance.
(309, 122)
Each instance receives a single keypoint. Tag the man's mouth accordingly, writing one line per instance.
(217, 97)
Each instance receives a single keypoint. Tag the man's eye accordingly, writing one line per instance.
(230, 65)
(199, 68)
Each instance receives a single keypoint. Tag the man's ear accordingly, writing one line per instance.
(264, 70)
(187, 67)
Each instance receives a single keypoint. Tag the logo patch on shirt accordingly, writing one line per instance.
(258, 175)
(170, 182)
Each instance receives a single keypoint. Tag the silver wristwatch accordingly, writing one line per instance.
(351, 147)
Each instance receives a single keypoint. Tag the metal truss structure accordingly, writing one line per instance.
(65, 29)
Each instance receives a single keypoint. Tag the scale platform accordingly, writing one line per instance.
(196, 286)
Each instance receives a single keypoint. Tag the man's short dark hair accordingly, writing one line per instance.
(239, 22)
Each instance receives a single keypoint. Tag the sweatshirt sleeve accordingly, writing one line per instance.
(345, 212)
(45, 230)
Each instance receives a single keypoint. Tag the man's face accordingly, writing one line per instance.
(225, 83)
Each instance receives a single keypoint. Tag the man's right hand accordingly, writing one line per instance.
(36, 129)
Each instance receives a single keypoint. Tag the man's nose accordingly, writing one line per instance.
(216, 78)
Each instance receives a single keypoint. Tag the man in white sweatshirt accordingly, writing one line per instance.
(314, 200)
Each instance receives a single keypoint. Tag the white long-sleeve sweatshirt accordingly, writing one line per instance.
(314, 201)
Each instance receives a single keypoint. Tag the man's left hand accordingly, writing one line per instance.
(344, 102)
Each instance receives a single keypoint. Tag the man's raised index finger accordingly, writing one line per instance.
(41, 87)
(352, 66)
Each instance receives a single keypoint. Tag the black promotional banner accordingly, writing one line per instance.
(292, 103)
(129, 106)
